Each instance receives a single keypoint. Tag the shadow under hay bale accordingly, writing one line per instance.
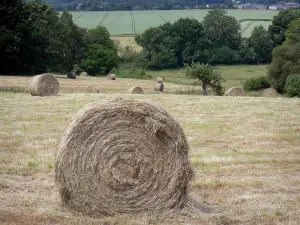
(136, 90)
(159, 87)
(71, 75)
(43, 85)
(159, 80)
(235, 91)
(112, 76)
(123, 156)
(92, 89)
(84, 74)
(269, 92)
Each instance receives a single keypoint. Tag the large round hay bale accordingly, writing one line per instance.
(136, 90)
(159, 87)
(235, 91)
(269, 92)
(123, 156)
(111, 76)
(159, 80)
(71, 75)
(92, 89)
(84, 74)
(43, 85)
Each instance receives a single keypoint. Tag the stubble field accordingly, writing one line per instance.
(244, 150)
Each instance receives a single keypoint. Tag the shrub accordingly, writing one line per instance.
(255, 84)
(292, 85)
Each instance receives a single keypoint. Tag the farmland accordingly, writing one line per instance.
(121, 23)
(244, 150)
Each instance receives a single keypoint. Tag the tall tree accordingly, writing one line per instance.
(12, 25)
(285, 58)
(280, 24)
(261, 43)
(222, 30)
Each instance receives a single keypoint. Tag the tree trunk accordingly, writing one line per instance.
(204, 88)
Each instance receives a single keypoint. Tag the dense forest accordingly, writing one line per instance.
(107, 5)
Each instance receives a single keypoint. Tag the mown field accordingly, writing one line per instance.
(244, 150)
(175, 81)
(136, 22)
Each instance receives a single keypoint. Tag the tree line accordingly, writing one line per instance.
(35, 39)
(215, 40)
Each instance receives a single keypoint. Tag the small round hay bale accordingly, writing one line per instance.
(44, 85)
(123, 156)
(71, 75)
(159, 87)
(111, 76)
(269, 92)
(84, 74)
(136, 90)
(92, 89)
(159, 80)
(235, 91)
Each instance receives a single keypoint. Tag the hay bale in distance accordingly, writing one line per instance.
(159, 80)
(44, 85)
(123, 156)
(71, 75)
(136, 90)
(84, 74)
(112, 76)
(159, 87)
(269, 92)
(235, 91)
(92, 89)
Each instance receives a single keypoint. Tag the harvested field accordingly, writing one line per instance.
(245, 153)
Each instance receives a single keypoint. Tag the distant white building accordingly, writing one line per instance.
(284, 6)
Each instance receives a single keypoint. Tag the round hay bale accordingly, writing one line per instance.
(159, 87)
(136, 90)
(71, 75)
(111, 76)
(159, 80)
(269, 92)
(83, 74)
(44, 85)
(123, 156)
(235, 91)
(92, 89)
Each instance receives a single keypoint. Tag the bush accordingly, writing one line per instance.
(256, 84)
(292, 85)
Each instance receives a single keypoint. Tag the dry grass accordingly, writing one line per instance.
(128, 41)
(245, 152)
(80, 83)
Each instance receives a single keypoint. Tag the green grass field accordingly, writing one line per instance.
(136, 22)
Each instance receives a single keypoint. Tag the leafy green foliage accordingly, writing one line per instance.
(261, 44)
(285, 58)
(256, 84)
(101, 55)
(281, 23)
(292, 85)
(208, 76)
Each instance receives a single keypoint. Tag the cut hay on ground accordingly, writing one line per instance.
(111, 76)
(92, 89)
(84, 74)
(123, 156)
(159, 87)
(235, 91)
(159, 80)
(43, 85)
(71, 75)
(269, 92)
(136, 90)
